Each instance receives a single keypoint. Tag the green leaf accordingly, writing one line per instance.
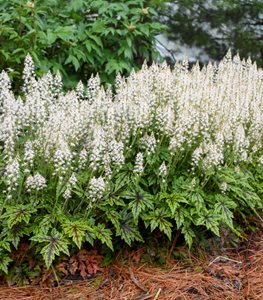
(90, 236)
(198, 201)
(76, 230)
(60, 188)
(129, 41)
(128, 230)
(157, 218)
(104, 235)
(17, 214)
(15, 233)
(4, 262)
(55, 244)
(5, 245)
(50, 36)
(173, 200)
(128, 53)
(140, 201)
(222, 208)
(181, 215)
(18, 50)
(66, 33)
(5, 54)
(43, 224)
(114, 217)
(188, 234)
(72, 59)
(98, 26)
(88, 46)
(112, 66)
(144, 29)
(210, 221)
(75, 5)
(97, 39)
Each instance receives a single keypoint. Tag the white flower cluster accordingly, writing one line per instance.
(70, 184)
(28, 157)
(205, 111)
(83, 156)
(36, 182)
(57, 84)
(223, 187)
(116, 152)
(80, 91)
(62, 161)
(29, 75)
(12, 175)
(260, 160)
(149, 143)
(163, 169)
(138, 166)
(210, 154)
(96, 188)
(5, 87)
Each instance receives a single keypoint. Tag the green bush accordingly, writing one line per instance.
(78, 37)
(173, 151)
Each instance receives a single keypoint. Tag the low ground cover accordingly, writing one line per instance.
(167, 153)
(237, 274)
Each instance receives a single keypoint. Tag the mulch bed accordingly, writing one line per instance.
(235, 275)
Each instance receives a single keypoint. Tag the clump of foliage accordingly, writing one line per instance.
(171, 150)
(78, 37)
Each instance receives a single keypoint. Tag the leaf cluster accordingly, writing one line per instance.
(132, 207)
(78, 37)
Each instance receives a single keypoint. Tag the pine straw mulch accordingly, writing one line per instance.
(236, 275)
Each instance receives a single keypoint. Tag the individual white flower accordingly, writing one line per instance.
(5, 88)
(210, 154)
(98, 147)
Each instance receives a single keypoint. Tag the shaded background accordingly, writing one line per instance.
(205, 29)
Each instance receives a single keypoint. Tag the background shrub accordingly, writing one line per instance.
(78, 37)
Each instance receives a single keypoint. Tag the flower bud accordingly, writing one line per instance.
(144, 11)
(131, 27)
(30, 5)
